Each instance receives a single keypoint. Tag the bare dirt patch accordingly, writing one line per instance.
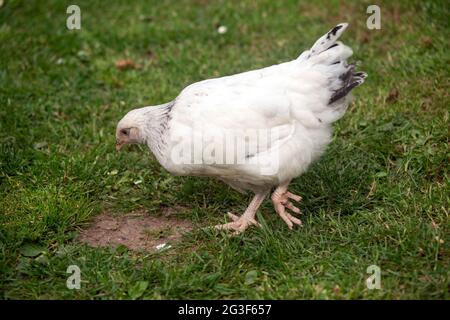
(135, 230)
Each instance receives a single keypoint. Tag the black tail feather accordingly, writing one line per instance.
(350, 79)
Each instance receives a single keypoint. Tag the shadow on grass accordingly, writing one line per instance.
(340, 181)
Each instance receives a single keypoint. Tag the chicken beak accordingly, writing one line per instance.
(119, 145)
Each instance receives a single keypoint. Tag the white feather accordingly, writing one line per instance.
(290, 99)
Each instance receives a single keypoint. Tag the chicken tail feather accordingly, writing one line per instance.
(328, 51)
(350, 79)
(327, 41)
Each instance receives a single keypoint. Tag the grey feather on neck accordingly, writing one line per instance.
(155, 129)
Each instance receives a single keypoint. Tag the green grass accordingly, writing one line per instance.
(380, 194)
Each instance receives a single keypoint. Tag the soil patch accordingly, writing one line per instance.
(135, 230)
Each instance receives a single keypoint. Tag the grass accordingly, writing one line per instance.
(379, 196)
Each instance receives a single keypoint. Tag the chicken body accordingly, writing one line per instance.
(255, 130)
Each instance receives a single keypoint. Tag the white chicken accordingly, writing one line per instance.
(255, 130)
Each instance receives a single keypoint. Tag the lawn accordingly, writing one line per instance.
(379, 196)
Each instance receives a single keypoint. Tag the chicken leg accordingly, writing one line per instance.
(280, 199)
(241, 223)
